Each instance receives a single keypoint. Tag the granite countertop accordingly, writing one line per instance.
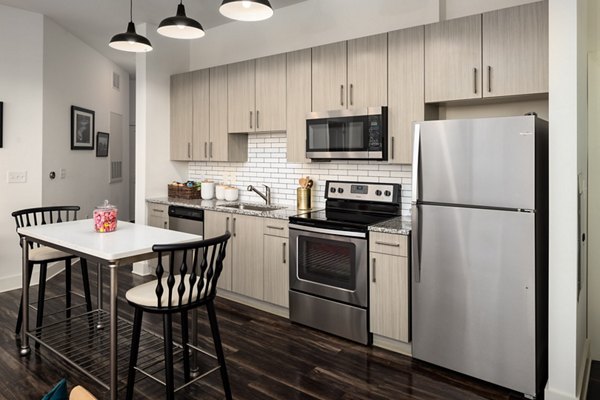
(281, 212)
(399, 226)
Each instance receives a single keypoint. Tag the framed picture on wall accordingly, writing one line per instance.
(82, 128)
(1, 106)
(102, 144)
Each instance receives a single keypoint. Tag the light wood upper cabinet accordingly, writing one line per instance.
(453, 60)
(256, 95)
(515, 50)
(499, 53)
(329, 77)
(367, 71)
(389, 285)
(181, 116)
(270, 93)
(240, 97)
(406, 86)
(200, 114)
(216, 224)
(298, 92)
(217, 145)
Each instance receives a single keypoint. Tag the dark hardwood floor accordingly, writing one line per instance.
(267, 356)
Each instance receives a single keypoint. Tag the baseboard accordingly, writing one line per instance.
(259, 304)
(13, 282)
(392, 345)
(584, 369)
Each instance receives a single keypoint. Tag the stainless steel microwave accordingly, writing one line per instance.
(357, 134)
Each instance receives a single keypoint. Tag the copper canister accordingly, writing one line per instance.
(303, 197)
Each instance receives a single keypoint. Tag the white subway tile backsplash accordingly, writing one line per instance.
(267, 165)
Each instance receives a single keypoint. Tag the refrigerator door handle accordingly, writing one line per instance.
(416, 243)
(415, 166)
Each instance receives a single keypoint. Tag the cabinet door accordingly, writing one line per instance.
(270, 93)
(215, 224)
(515, 50)
(200, 112)
(217, 146)
(277, 270)
(181, 116)
(298, 103)
(248, 256)
(240, 99)
(367, 71)
(389, 296)
(329, 91)
(453, 60)
(406, 85)
(158, 215)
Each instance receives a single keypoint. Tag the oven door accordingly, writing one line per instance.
(329, 263)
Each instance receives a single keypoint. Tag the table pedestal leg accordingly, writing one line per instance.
(99, 295)
(113, 332)
(25, 349)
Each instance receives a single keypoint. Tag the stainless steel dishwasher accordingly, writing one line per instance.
(186, 219)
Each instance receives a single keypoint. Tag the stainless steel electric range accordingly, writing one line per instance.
(329, 268)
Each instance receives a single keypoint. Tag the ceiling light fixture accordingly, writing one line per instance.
(246, 10)
(180, 26)
(130, 40)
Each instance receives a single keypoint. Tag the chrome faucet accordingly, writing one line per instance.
(266, 197)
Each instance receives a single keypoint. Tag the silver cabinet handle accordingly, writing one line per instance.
(189, 150)
(250, 119)
(342, 95)
(351, 94)
(276, 227)
(392, 155)
(257, 118)
(387, 244)
(165, 223)
(489, 78)
(210, 150)
(474, 80)
(234, 234)
(227, 224)
(374, 271)
(284, 261)
(205, 151)
(158, 210)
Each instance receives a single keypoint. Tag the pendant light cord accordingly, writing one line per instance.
(130, 10)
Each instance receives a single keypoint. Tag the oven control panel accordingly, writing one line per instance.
(380, 192)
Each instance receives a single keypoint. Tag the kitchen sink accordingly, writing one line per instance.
(252, 207)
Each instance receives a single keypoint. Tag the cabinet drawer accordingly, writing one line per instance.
(158, 210)
(276, 227)
(386, 243)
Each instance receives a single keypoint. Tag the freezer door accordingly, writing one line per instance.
(486, 162)
(473, 293)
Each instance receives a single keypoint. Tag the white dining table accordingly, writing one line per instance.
(129, 243)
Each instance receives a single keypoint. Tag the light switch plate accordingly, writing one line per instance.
(16, 176)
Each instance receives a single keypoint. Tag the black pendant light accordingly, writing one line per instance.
(180, 26)
(246, 10)
(130, 40)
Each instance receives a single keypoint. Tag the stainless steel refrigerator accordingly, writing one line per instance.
(479, 248)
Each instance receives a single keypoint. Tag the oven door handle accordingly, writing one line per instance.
(328, 231)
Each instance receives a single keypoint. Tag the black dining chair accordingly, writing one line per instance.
(44, 255)
(177, 290)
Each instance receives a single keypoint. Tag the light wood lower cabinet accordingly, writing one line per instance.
(247, 254)
(389, 287)
(276, 273)
(158, 215)
(216, 224)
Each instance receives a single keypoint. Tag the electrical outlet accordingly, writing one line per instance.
(16, 176)
(63, 173)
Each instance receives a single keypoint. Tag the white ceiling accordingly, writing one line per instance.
(95, 22)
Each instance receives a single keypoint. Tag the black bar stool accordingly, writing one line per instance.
(43, 255)
(180, 289)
